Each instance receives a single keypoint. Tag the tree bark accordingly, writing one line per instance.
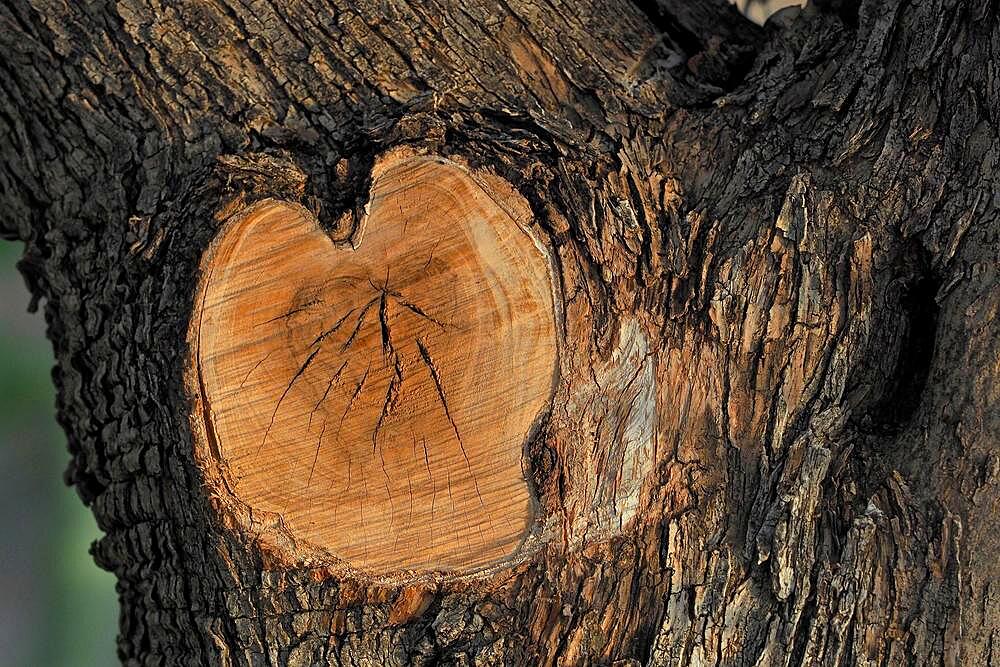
(773, 437)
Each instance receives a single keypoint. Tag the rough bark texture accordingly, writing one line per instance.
(778, 258)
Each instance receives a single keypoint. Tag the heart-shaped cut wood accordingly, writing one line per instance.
(377, 398)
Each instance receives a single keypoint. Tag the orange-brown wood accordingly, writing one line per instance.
(376, 398)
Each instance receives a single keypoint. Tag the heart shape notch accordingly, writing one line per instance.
(374, 399)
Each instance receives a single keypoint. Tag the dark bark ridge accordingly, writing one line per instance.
(798, 260)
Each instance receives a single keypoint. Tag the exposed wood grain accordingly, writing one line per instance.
(376, 397)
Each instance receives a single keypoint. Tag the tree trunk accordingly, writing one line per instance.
(770, 265)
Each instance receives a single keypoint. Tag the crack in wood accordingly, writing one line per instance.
(360, 323)
(319, 444)
(333, 380)
(336, 325)
(354, 396)
(274, 414)
(256, 366)
(425, 354)
(417, 310)
(290, 313)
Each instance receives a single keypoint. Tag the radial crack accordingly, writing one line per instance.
(293, 311)
(329, 386)
(430, 476)
(354, 396)
(319, 443)
(425, 354)
(295, 377)
(417, 310)
(255, 367)
(384, 324)
(389, 350)
(391, 395)
(360, 323)
(336, 325)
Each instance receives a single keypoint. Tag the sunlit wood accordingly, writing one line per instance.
(377, 398)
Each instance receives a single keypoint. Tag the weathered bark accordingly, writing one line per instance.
(773, 440)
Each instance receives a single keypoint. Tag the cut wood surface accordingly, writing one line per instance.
(376, 398)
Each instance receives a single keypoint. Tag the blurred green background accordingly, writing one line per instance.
(56, 607)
